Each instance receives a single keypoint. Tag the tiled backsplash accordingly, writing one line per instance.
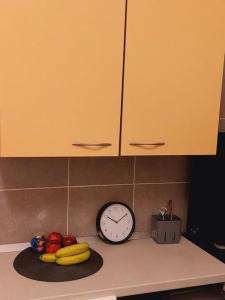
(65, 194)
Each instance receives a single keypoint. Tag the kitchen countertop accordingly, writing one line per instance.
(137, 267)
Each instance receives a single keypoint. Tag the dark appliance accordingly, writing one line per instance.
(206, 212)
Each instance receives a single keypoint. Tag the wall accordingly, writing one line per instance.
(62, 194)
(222, 106)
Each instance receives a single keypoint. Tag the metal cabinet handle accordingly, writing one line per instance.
(147, 144)
(92, 145)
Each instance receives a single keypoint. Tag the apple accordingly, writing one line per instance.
(55, 237)
(52, 247)
(69, 240)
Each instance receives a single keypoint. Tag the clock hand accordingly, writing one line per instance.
(112, 219)
(122, 218)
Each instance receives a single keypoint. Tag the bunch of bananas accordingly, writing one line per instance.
(70, 255)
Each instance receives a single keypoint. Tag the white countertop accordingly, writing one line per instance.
(136, 267)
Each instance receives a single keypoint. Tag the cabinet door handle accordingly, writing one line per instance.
(147, 144)
(92, 145)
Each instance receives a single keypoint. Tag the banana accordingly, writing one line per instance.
(72, 250)
(74, 259)
(48, 257)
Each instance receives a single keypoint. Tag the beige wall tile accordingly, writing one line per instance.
(101, 170)
(32, 172)
(85, 203)
(149, 198)
(26, 212)
(161, 169)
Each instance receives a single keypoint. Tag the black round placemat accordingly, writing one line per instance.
(27, 263)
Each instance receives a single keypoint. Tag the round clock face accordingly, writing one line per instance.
(115, 222)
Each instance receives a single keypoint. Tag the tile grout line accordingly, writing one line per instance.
(92, 185)
(68, 196)
(34, 188)
(101, 185)
(158, 183)
(134, 178)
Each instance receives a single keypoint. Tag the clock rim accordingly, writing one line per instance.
(98, 227)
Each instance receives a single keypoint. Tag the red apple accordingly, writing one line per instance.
(69, 240)
(55, 237)
(52, 247)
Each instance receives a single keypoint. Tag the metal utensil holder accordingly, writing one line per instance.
(166, 231)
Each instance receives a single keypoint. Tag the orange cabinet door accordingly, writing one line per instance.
(60, 77)
(173, 76)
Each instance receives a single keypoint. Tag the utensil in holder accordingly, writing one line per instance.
(166, 231)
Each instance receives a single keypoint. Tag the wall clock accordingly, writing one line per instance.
(115, 222)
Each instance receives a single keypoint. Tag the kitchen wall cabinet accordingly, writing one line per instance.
(60, 76)
(173, 74)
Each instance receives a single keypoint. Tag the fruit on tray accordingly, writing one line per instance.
(70, 255)
(72, 250)
(38, 244)
(50, 258)
(74, 259)
(69, 240)
(54, 242)
(55, 237)
(52, 247)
